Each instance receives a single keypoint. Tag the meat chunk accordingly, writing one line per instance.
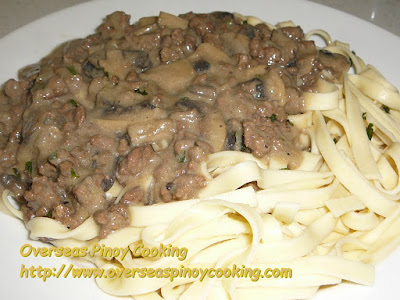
(114, 25)
(69, 214)
(90, 195)
(136, 162)
(16, 90)
(262, 137)
(334, 62)
(133, 196)
(287, 46)
(111, 219)
(264, 54)
(44, 193)
(187, 185)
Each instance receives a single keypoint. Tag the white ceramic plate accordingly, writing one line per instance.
(29, 43)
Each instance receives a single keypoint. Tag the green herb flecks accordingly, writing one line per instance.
(16, 172)
(272, 117)
(386, 108)
(73, 174)
(181, 158)
(335, 140)
(289, 122)
(144, 93)
(245, 22)
(28, 167)
(72, 70)
(364, 115)
(370, 130)
(50, 213)
(287, 168)
(73, 102)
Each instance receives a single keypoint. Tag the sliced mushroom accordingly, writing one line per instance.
(214, 131)
(142, 133)
(172, 78)
(172, 21)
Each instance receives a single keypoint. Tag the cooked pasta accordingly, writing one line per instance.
(330, 218)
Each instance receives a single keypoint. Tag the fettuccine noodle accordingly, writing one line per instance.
(331, 219)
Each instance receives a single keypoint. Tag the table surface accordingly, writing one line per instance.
(15, 13)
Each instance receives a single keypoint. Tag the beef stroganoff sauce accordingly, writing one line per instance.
(124, 136)
(143, 105)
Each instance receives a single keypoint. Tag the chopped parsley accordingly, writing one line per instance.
(144, 93)
(50, 214)
(73, 174)
(73, 102)
(287, 168)
(195, 144)
(386, 108)
(272, 117)
(72, 70)
(185, 98)
(335, 140)
(289, 122)
(245, 22)
(28, 167)
(16, 172)
(364, 115)
(181, 158)
(370, 130)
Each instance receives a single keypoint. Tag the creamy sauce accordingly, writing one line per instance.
(143, 105)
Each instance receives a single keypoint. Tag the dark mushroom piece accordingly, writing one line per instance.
(248, 30)
(222, 15)
(234, 135)
(201, 65)
(107, 184)
(190, 104)
(91, 71)
(255, 87)
(138, 58)
(14, 184)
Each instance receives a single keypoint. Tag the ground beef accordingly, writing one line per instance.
(264, 54)
(115, 217)
(90, 195)
(186, 185)
(142, 105)
(135, 162)
(135, 195)
(44, 195)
